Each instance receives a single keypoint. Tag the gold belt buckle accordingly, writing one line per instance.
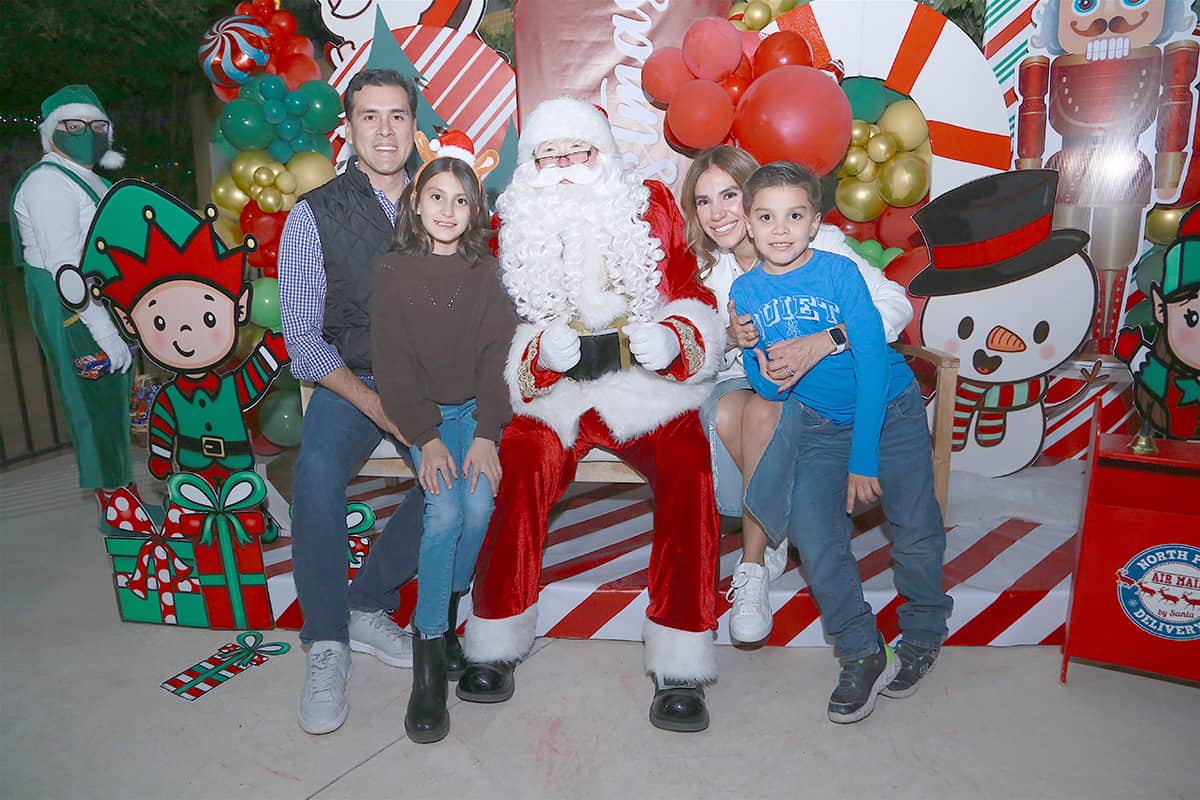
(212, 446)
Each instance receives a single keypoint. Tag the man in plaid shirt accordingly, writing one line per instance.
(327, 255)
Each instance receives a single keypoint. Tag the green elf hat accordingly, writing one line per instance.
(77, 101)
(1182, 263)
(140, 228)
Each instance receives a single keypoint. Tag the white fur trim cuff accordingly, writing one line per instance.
(506, 639)
(679, 656)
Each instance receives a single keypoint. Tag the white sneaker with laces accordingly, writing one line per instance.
(750, 618)
(323, 706)
(776, 559)
(375, 632)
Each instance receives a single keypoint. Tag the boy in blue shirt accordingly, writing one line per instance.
(852, 429)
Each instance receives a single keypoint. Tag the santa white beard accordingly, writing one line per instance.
(579, 250)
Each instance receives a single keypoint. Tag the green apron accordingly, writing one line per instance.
(97, 410)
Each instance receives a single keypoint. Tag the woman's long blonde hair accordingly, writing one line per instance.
(737, 164)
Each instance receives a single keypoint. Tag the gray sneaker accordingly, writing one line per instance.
(375, 632)
(323, 706)
(915, 663)
(860, 683)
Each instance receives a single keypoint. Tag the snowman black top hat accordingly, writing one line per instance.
(992, 231)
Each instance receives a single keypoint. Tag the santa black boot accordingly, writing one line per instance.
(678, 707)
(456, 662)
(487, 683)
(427, 719)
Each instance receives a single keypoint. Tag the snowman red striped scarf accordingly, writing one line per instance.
(992, 402)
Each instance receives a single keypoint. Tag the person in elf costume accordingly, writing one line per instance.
(173, 286)
(1166, 370)
(52, 207)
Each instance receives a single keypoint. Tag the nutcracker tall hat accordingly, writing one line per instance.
(77, 101)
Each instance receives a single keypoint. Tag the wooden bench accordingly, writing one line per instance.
(600, 466)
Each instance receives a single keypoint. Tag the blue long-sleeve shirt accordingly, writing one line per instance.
(852, 386)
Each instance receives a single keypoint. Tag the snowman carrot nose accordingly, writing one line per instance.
(1002, 340)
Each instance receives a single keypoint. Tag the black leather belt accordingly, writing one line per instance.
(215, 446)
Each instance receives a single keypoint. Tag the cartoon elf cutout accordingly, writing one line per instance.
(175, 288)
(1166, 370)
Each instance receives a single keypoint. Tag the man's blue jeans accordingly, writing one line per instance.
(819, 528)
(455, 523)
(336, 438)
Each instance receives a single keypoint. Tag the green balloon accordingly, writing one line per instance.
(867, 98)
(891, 96)
(279, 418)
(852, 243)
(244, 125)
(324, 107)
(224, 147)
(889, 256)
(264, 304)
(252, 90)
(272, 87)
(1150, 268)
(872, 251)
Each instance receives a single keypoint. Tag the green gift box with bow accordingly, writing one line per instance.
(156, 582)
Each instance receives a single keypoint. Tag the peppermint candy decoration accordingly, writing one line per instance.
(233, 50)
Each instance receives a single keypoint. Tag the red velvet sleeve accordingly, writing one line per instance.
(681, 275)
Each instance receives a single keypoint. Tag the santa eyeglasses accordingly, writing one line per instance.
(565, 160)
(76, 126)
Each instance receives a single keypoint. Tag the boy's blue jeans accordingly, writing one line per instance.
(817, 524)
(455, 523)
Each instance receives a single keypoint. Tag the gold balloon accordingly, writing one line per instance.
(1162, 224)
(245, 164)
(869, 172)
(263, 176)
(903, 180)
(248, 337)
(229, 231)
(925, 151)
(285, 182)
(757, 15)
(882, 146)
(860, 133)
(736, 8)
(310, 170)
(873, 129)
(289, 200)
(782, 6)
(276, 168)
(855, 161)
(904, 120)
(254, 191)
(859, 200)
(270, 199)
(226, 194)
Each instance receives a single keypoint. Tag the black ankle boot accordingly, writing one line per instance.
(487, 683)
(456, 662)
(679, 708)
(427, 719)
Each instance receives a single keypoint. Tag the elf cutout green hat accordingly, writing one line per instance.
(84, 146)
(1182, 263)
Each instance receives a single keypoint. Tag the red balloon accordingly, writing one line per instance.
(745, 69)
(271, 269)
(750, 42)
(244, 10)
(735, 85)
(663, 73)
(782, 49)
(295, 44)
(712, 48)
(226, 93)
(673, 140)
(701, 114)
(285, 20)
(794, 114)
(265, 228)
(295, 69)
(860, 231)
(902, 269)
(263, 9)
(896, 226)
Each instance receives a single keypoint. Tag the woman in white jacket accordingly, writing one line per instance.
(739, 422)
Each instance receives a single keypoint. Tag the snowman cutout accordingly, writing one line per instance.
(1013, 299)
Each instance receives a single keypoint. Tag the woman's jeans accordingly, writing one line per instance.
(455, 523)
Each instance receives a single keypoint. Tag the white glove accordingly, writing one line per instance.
(559, 348)
(652, 344)
(118, 352)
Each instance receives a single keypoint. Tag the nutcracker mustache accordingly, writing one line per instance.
(1097, 28)
(1119, 24)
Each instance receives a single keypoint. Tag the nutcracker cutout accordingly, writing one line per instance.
(1105, 81)
(175, 288)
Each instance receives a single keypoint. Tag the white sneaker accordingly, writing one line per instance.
(776, 559)
(375, 632)
(750, 618)
(323, 706)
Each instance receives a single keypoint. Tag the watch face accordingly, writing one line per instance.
(839, 338)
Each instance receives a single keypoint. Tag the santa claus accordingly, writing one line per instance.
(617, 350)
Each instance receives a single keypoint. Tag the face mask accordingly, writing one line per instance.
(83, 148)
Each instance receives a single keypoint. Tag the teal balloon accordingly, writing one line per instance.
(264, 304)
(288, 129)
(324, 147)
(279, 418)
(273, 87)
(280, 151)
(867, 98)
(252, 89)
(891, 96)
(889, 255)
(296, 103)
(324, 107)
(304, 143)
(1150, 268)
(274, 112)
(872, 251)
(224, 147)
(244, 125)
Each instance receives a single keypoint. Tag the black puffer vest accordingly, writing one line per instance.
(355, 233)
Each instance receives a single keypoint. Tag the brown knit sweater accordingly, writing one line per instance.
(440, 334)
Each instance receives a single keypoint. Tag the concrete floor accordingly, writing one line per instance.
(83, 715)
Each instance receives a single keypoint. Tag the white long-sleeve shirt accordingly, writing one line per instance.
(888, 296)
(53, 216)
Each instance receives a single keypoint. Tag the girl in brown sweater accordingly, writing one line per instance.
(441, 326)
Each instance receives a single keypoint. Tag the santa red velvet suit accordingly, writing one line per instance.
(602, 255)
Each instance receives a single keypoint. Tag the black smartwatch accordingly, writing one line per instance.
(839, 339)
